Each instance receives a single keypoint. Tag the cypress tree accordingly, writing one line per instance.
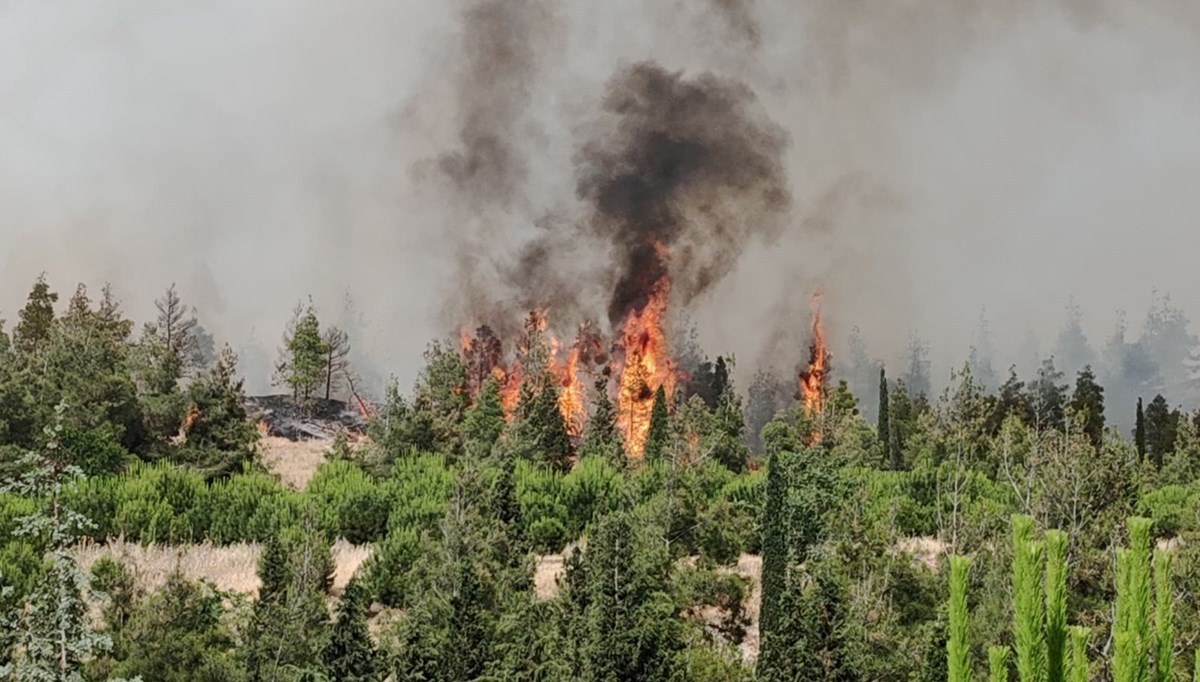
(659, 433)
(1164, 618)
(998, 664)
(272, 569)
(350, 655)
(958, 645)
(1028, 617)
(882, 427)
(774, 570)
(1139, 431)
(1056, 605)
(1079, 662)
(1160, 428)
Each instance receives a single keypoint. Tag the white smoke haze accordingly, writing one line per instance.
(942, 156)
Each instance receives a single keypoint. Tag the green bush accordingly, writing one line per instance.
(418, 490)
(1172, 508)
(388, 567)
(545, 515)
(591, 489)
(350, 503)
(247, 508)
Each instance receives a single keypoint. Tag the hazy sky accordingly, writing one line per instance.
(942, 155)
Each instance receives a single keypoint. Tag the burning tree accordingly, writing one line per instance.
(813, 377)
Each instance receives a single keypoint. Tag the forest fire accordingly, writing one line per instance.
(570, 396)
(646, 366)
(641, 363)
(812, 379)
(482, 352)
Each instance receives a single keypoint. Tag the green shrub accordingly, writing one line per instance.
(591, 489)
(247, 507)
(388, 567)
(350, 503)
(1172, 508)
(418, 490)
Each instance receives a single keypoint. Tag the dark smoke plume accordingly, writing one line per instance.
(501, 42)
(693, 165)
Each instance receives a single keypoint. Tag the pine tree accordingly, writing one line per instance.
(1088, 405)
(917, 379)
(1028, 615)
(219, 438)
(36, 319)
(883, 429)
(288, 629)
(1139, 431)
(350, 654)
(485, 420)
(601, 437)
(1048, 397)
(1056, 605)
(1164, 618)
(173, 341)
(720, 380)
(304, 354)
(998, 664)
(337, 360)
(958, 646)
(658, 436)
(540, 425)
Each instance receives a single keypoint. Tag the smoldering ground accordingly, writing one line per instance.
(941, 156)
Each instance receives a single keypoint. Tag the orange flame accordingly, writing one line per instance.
(812, 379)
(647, 365)
(193, 414)
(570, 396)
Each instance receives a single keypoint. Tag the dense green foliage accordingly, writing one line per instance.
(904, 547)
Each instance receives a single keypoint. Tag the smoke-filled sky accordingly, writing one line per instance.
(442, 160)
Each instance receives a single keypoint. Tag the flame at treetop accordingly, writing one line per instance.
(812, 379)
(642, 364)
(570, 388)
(482, 352)
(647, 365)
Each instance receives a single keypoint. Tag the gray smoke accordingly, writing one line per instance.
(440, 161)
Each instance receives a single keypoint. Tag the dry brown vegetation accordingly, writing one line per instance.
(232, 567)
(294, 462)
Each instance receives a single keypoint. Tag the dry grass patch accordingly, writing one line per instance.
(546, 574)
(231, 567)
(294, 462)
(927, 550)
